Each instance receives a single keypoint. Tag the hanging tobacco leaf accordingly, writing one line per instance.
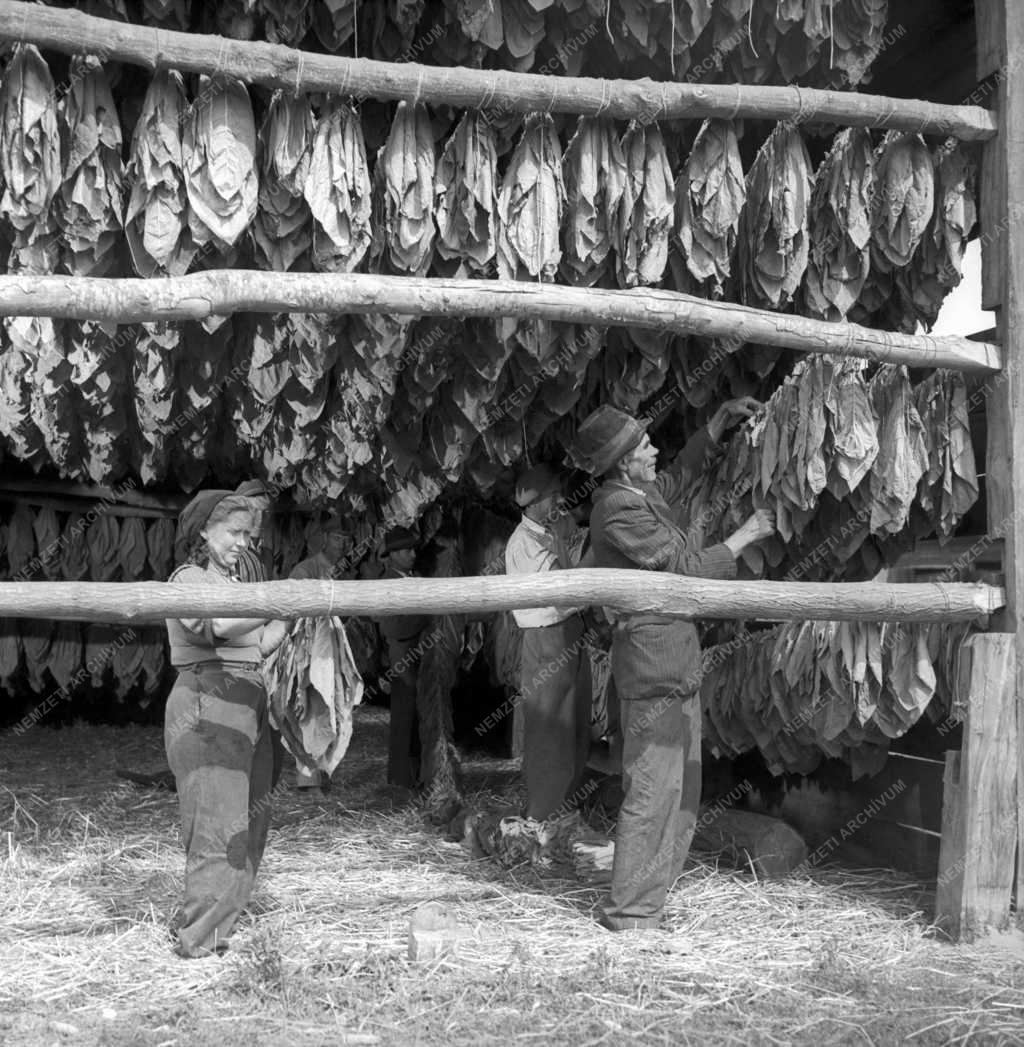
(220, 164)
(710, 194)
(466, 202)
(773, 242)
(903, 199)
(282, 230)
(334, 22)
(937, 265)
(840, 227)
(286, 21)
(338, 190)
(594, 168)
(156, 220)
(153, 361)
(530, 205)
(406, 163)
(30, 160)
(646, 208)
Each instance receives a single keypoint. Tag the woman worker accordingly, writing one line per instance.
(216, 730)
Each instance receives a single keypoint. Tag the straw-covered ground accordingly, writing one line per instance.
(90, 868)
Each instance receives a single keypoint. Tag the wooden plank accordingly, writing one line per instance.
(225, 291)
(989, 19)
(992, 224)
(274, 65)
(949, 888)
(640, 592)
(1001, 31)
(979, 820)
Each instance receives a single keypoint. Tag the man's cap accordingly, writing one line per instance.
(400, 538)
(193, 517)
(334, 525)
(254, 489)
(604, 437)
(536, 483)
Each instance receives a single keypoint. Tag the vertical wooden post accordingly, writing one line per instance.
(979, 817)
(1000, 27)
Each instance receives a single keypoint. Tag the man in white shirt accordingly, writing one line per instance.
(555, 670)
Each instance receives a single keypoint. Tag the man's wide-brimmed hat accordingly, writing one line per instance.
(604, 437)
(400, 538)
(537, 482)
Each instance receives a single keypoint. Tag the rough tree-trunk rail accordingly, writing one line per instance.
(226, 291)
(274, 65)
(633, 591)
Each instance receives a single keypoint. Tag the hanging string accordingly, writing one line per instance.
(492, 87)
(739, 99)
(750, 29)
(298, 73)
(419, 87)
(799, 102)
(672, 43)
(603, 104)
(831, 34)
(355, 27)
(608, 20)
(156, 49)
(330, 604)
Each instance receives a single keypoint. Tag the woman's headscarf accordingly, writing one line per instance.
(205, 508)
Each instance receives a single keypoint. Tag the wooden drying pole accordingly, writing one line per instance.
(632, 591)
(274, 65)
(226, 291)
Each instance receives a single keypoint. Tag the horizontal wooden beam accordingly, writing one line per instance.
(274, 65)
(30, 490)
(626, 591)
(225, 291)
(964, 552)
(73, 505)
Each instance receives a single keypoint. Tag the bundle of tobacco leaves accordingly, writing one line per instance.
(773, 241)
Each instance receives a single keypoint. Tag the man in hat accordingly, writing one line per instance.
(329, 562)
(656, 660)
(402, 635)
(555, 685)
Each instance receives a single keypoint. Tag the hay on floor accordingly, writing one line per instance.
(90, 869)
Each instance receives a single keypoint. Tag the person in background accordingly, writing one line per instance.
(402, 634)
(555, 685)
(256, 563)
(216, 730)
(329, 563)
(655, 660)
